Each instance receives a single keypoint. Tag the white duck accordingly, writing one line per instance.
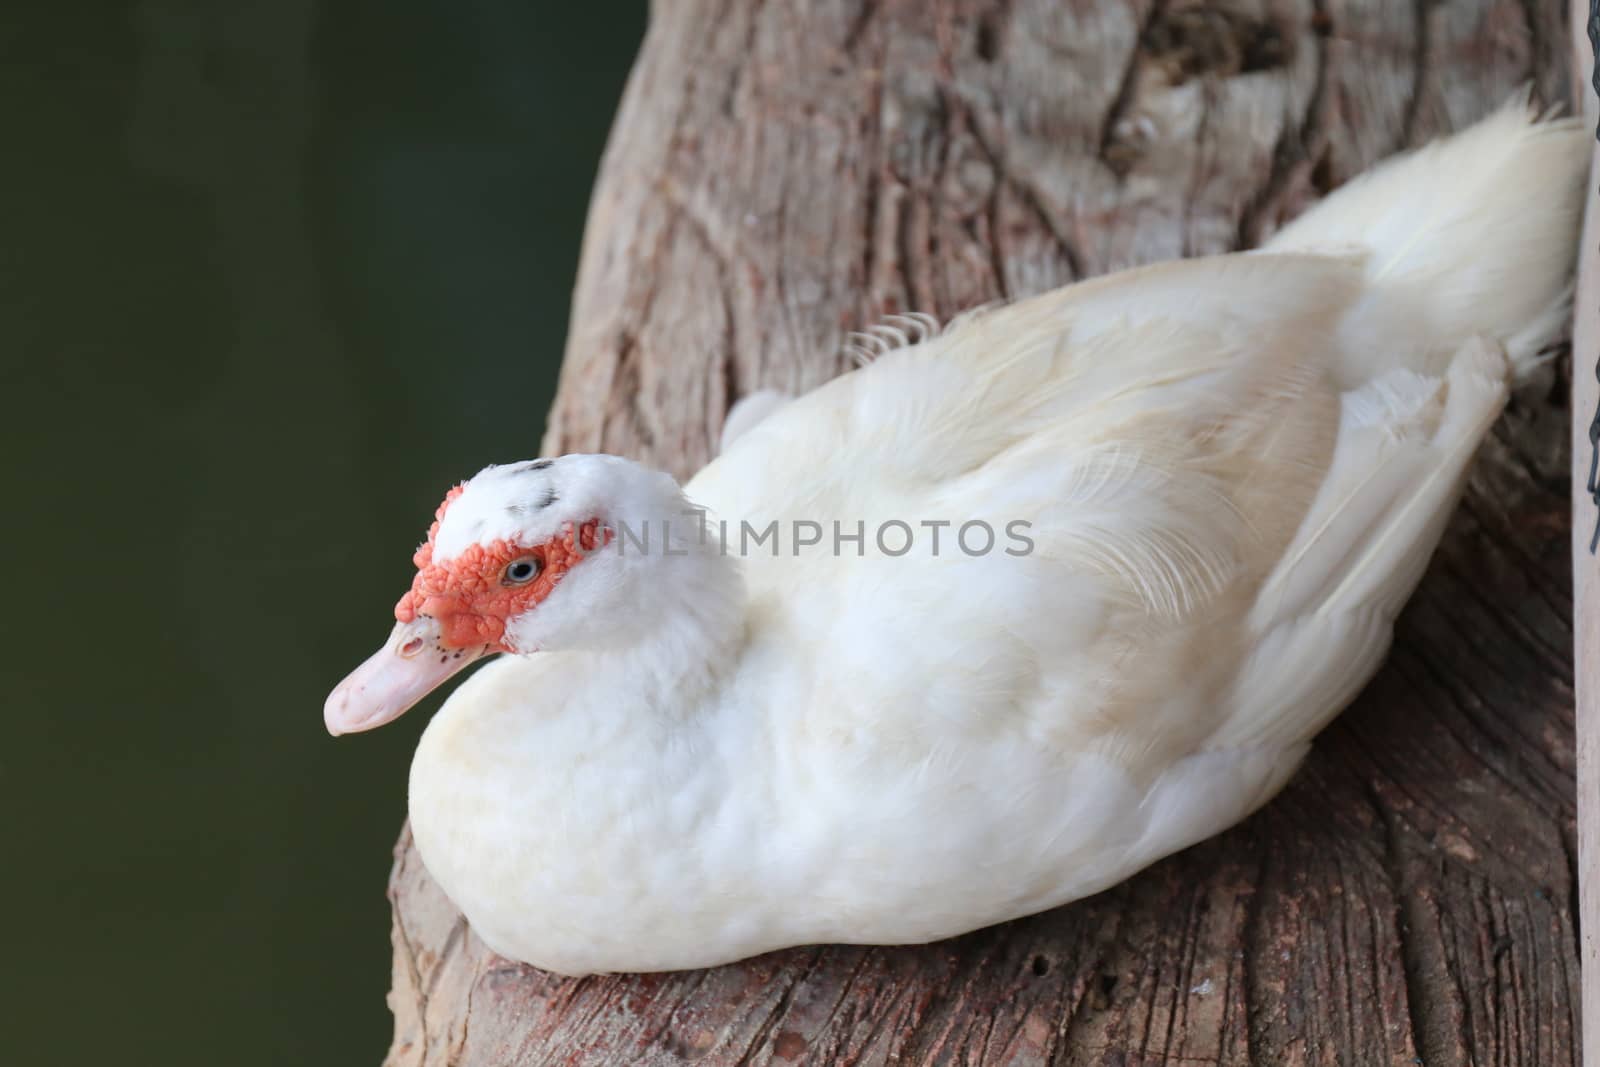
(1212, 485)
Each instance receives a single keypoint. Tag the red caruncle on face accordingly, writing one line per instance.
(471, 596)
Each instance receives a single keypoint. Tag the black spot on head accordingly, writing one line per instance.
(550, 497)
(536, 465)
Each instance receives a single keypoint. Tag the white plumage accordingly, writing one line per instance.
(1230, 473)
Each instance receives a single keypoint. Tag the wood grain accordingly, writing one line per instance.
(784, 172)
(1585, 578)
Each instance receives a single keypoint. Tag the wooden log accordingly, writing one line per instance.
(1585, 534)
(783, 172)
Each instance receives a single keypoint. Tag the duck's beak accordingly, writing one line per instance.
(413, 663)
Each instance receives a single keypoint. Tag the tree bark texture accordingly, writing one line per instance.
(1586, 526)
(784, 172)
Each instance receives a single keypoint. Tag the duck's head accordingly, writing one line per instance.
(521, 558)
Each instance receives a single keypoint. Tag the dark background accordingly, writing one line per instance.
(272, 276)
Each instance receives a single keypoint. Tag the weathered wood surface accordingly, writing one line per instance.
(783, 172)
(1585, 520)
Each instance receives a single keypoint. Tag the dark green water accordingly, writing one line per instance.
(272, 276)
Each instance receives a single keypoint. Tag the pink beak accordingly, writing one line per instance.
(410, 665)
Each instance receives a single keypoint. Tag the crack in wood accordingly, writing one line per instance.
(1297, 145)
(725, 362)
(737, 71)
(1422, 68)
(466, 1017)
(1423, 975)
(857, 32)
(773, 1017)
(1126, 86)
(1031, 199)
(993, 25)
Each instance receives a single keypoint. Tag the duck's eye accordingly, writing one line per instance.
(521, 571)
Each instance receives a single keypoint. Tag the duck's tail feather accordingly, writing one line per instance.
(1472, 235)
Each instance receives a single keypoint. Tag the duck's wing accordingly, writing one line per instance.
(1147, 398)
(1159, 434)
(929, 412)
(1405, 443)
